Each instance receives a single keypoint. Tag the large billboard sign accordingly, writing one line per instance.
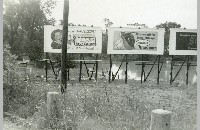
(80, 39)
(135, 41)
(183, 41)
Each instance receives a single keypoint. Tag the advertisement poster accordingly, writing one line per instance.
(186, 41)
(183, 42)
(135, 41)
(80, 39)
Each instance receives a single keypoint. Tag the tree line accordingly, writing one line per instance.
(23, 30)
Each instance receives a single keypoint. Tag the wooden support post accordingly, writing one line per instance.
(46, 69)
(82, 58)
(86, 69)
(188, 65)
(158, 70)
(179, 69)
(142, 69)
(53, 68)
(110, 68)
(68, 74)
(80, 68)
(171, 71)
(126, 73)
(160, 119)
(53, 113)
(96, 68)
(145, 77)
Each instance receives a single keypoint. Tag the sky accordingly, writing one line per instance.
(123, 12)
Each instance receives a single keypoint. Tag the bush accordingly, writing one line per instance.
(16, 90)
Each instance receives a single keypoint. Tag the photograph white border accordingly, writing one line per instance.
(1, 66)
(172, 42)
(160, 42)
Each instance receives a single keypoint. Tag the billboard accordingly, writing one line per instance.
(135, 41)
(80, 39)
(183, 41)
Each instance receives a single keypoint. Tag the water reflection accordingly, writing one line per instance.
(133, 75)
(134, 72)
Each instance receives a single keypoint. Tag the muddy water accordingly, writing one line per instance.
(134, 71)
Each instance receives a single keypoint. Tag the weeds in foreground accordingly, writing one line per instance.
(117, 107)
(106, 106)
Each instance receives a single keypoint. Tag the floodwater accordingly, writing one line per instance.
(134, 71)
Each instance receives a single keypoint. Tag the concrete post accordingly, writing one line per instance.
(160, 119)
(52, 108)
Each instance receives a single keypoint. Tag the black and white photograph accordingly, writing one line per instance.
(99, 64)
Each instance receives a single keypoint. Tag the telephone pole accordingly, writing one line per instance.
(64, 47)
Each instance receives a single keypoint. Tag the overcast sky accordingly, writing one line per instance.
(123, 12)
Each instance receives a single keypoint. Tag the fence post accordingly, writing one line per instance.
(160, 120)
(52, 108)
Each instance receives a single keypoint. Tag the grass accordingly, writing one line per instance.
(109, 106)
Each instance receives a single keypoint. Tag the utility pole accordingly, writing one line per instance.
(64, 47)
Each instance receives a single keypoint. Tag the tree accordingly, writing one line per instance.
(108, 23)
(23, 22)
(167, 26)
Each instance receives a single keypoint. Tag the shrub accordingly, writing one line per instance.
(16, 90)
